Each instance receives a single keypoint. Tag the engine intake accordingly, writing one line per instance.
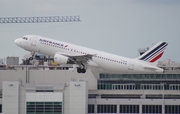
(60, 59)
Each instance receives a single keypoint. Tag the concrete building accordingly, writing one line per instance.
(38, 90)
(12, 60)
(44, 99)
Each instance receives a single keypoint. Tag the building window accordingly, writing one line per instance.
(106, 108)
(90, 108)
(0, 108)
(44, 90)
(140, 76)
(153, 109)
(172, 109)
(129, 109)
(107, 84)
(44, 107)
(123, 86)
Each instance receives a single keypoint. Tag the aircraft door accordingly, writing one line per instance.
(33, 41)
(131, 65)
(34, 44)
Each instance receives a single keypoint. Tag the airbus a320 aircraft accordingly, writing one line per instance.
(66, 53)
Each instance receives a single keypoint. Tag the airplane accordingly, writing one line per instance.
(83, 57)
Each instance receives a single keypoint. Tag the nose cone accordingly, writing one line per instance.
(17, 42)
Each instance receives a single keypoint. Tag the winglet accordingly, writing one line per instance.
(154, 53)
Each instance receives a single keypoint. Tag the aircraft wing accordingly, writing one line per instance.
(79, 58)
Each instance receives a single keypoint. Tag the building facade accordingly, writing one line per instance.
(40, 90)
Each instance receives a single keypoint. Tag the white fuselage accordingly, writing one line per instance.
(108, 62)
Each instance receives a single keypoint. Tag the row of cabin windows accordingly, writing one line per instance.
(125, 63)
(111, 60)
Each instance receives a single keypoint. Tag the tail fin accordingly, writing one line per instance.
(154, 53)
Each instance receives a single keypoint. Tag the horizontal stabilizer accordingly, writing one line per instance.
(150, 67)
(153, 68)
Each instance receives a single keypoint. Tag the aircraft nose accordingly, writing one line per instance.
(17, 42)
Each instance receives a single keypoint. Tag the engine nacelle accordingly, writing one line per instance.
(60, 59)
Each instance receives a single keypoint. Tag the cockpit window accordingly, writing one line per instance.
(25, 38)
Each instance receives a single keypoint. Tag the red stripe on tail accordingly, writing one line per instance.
(157, 57)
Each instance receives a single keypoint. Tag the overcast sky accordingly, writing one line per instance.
(116, 26)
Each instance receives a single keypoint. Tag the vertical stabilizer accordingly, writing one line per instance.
(154, 53)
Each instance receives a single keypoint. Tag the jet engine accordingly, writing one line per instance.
(60, 59)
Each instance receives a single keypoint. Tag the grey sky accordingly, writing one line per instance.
(115, 26)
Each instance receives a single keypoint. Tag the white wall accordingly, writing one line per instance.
(10, 97)
(44, 96)
(78, 97)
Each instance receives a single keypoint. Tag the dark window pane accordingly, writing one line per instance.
(98, 109)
